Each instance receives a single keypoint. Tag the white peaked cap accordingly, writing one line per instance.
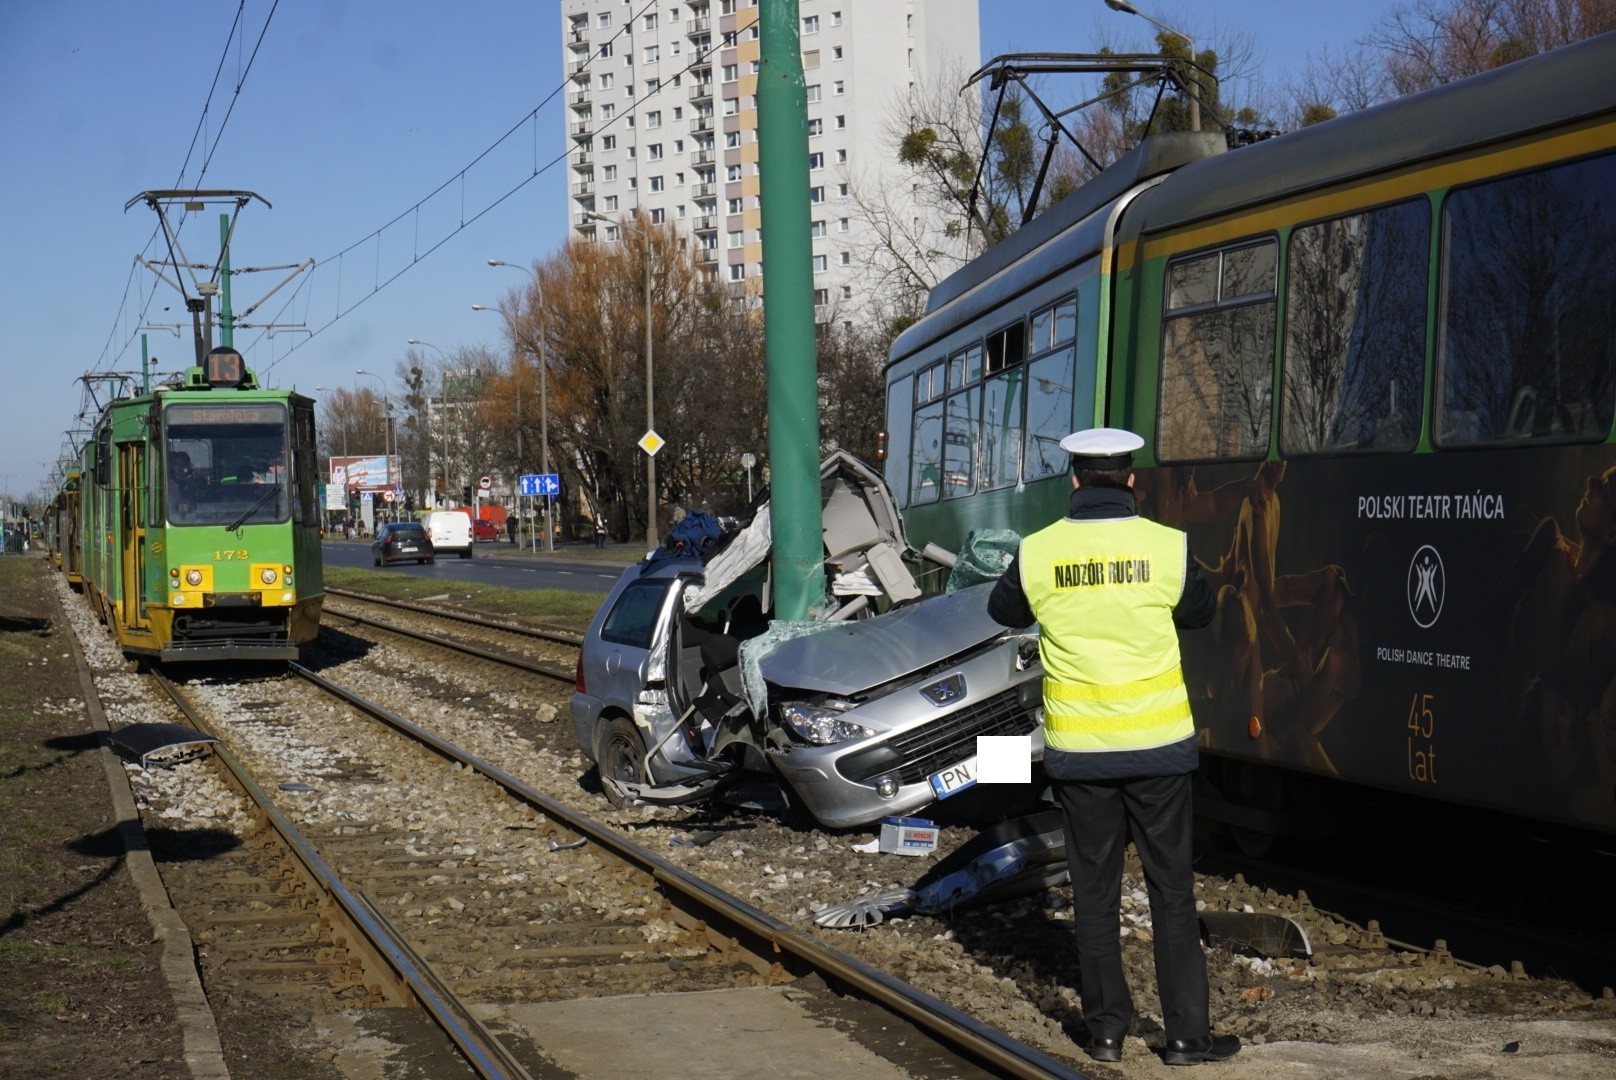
(1101, 442)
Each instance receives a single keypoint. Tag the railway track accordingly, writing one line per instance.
(546, 904)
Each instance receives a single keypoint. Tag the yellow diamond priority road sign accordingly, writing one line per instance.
(651, 442)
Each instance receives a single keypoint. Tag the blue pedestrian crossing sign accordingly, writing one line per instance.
(540, 484)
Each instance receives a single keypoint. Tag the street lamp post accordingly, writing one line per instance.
(650, 395)
(1195, 85)
(544, 408)
(443, 422)
(387, 425)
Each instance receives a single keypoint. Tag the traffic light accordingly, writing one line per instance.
(409, 502)
(465, 494)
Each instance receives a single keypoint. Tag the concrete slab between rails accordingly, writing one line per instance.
(742, 1034)
(1513, 1050)
(204, 1056)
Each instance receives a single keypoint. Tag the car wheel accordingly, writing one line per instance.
(375, 560)
(621, 754)
(466, 554)
(432, 562)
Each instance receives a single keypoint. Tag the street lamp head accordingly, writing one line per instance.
(481, 307)
(1122, 6)
(498, 262)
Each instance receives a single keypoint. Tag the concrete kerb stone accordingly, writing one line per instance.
(204, 1055)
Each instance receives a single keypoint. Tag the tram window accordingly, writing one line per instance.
(1526, 317)
(929, 384)
(959, 444)
(1049, 413)
(926, 455)
(1043, 324)
(1065, 321)
(1355, 331)
(973, 364)
(1001, 428)
(1006, 348)
(1218, 356)
(900, 413)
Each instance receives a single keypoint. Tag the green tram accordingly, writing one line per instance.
(198, 526)
(1400, 327)
(61, 525)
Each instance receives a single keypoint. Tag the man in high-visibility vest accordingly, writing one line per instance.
(1108, 590)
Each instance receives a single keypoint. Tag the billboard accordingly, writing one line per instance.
(362, 473)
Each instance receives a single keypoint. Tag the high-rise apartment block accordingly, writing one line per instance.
(662, 118)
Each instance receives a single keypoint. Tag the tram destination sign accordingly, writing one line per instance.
(268, 413)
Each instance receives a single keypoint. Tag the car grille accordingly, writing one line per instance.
(947, 741)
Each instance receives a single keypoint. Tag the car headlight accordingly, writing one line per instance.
(822, 725)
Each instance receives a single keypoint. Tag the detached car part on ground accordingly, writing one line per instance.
(687, 692)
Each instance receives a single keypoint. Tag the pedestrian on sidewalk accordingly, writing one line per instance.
(600, 532)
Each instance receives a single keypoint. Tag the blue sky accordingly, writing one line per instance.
(351, 113)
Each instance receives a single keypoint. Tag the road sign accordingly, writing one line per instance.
(485, 482)
(651, 442)
(387, 496)
(539, 484)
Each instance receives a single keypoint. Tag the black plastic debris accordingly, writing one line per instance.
(1256, 933)
(295, 785)
(1512, 1048)
(137, 742)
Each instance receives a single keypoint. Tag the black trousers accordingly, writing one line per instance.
(1156, 813)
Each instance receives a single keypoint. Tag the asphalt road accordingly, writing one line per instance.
(504, 568)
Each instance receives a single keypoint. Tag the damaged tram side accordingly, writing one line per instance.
(197, 529)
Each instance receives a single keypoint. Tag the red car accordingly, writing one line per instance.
(483, 529)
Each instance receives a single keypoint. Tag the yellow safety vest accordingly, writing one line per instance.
(1103, 592)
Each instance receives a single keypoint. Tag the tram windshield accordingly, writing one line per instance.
(226, 465)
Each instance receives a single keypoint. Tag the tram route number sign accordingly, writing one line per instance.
(540, 484)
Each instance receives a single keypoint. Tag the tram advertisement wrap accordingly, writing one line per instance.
(1440, 623)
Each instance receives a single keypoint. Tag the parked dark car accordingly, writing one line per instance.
(483, 529)
(401, 541)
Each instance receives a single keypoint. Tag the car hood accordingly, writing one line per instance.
(851, 657)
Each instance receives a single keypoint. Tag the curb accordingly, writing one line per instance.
(200, 1035)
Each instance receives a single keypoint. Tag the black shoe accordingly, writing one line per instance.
(1103, 1049)
(1195, 1051)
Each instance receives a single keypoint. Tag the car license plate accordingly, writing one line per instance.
(406, 547)
(954, 779)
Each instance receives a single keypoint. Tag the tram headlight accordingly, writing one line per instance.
(193, 578)
(267, 575)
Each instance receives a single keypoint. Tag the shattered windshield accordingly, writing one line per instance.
(226, 464)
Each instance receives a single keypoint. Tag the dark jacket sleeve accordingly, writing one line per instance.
(1197, 604)
(1007, 603)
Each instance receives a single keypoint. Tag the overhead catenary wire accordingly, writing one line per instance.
(412, 212)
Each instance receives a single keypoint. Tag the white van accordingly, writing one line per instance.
(450, 532)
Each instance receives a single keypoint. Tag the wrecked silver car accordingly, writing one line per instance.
(689, 692)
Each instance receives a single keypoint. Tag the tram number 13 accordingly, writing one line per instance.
(1422, 739)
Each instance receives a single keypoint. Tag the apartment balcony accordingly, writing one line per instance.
(701, 90)
(707, 256)
(584, 162)
(701, 63)
(578, 71)
(694, 27)
(704, 191)
(584, 222)
(584, 189)
(582, 130)
(699, 124)
(578, 36)
(704, 157)
(704, 223)
(579, 99)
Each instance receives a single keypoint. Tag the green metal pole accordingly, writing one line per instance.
(788, 316)
(145, 367)
(227, 326)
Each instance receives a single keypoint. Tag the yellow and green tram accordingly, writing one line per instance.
(61, 525)
(1398, 328)
(198, 529)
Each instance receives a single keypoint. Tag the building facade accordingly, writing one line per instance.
(662, 119)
